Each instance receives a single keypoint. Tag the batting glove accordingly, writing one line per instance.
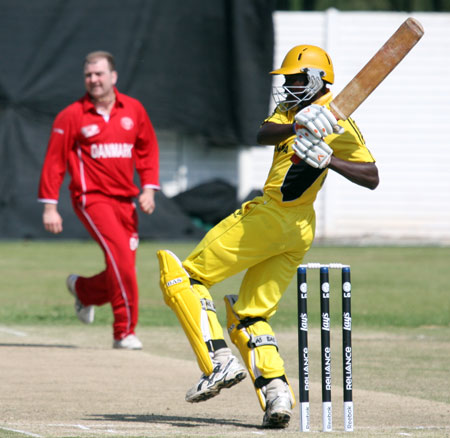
(319, 120)
(317, 155)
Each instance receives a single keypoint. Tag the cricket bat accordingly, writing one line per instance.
(375, 71)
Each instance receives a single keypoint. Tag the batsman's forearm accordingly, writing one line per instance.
(363, 174)
(273, 133)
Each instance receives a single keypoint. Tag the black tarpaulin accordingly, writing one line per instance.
(210, 202)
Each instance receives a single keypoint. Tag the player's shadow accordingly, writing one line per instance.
(173, 420)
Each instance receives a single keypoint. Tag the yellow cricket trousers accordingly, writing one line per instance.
(262, 237)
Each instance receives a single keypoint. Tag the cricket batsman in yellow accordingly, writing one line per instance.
(268, 237)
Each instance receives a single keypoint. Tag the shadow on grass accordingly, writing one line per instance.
(38, 345)
(173, 420)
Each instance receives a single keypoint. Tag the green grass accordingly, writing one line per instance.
(400, 305)
(392, 286)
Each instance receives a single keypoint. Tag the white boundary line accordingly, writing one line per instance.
(21, 431)
(13, 332)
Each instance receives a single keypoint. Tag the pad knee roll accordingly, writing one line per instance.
(187, 305)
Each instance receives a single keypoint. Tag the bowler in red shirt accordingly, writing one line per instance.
(100, 140)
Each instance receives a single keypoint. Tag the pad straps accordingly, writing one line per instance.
(260, 340)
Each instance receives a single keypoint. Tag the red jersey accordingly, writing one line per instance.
(100, 154)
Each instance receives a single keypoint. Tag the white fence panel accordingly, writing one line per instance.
(403, 123)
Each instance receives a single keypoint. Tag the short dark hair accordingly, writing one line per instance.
(101, 54)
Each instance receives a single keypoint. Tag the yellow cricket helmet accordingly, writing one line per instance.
(315, 64)
(304, 57)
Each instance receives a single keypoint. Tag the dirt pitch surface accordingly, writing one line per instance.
(69, 382)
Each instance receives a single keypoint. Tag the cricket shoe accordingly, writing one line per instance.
(279, 402)
(130, 342)
(84, 313)
(227, 372)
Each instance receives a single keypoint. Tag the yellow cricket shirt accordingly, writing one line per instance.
(298, 184)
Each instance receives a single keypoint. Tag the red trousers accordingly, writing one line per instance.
(112, 223)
